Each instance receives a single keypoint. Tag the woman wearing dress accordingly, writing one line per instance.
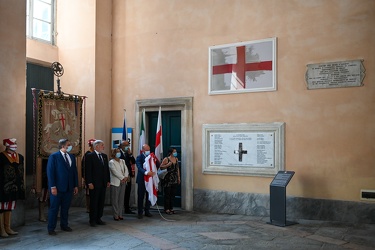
(171, 179)
(119, 174)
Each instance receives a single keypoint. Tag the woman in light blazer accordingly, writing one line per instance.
(119, 175)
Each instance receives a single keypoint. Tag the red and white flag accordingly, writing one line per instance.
(151, 182)
(159, 139)
(242, 66)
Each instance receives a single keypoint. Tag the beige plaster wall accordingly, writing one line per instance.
(160, 50)
(41, 53)
(84, 45)
(13, 72)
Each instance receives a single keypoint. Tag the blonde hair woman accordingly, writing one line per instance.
(119, 174)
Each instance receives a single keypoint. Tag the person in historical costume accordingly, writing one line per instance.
(11, 184)
(43, 197)
(87, 192)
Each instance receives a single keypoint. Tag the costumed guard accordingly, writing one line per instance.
(11, 184)
(44, 195)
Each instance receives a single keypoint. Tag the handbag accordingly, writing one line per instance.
(162, 173)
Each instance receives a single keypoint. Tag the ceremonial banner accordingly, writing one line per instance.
(242, 67)
(59, 117)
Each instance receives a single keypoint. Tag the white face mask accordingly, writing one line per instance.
(13, 147)
(118, 155)
(69, 148)
(147, 153)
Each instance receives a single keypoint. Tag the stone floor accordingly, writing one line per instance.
(189, 230)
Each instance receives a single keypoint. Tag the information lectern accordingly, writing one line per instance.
(278, 199)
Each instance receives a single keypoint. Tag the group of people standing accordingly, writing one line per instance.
(99, 173)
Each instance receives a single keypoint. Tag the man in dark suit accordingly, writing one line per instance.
(141, 182)
(97, 179)
(127, 156)
(62, 183)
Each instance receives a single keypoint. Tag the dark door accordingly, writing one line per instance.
(37, 77)
(171, 132)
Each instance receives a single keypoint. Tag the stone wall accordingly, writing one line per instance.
(296, 208)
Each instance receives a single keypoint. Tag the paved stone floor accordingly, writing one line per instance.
(189, 230)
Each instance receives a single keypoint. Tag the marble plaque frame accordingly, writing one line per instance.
(278, 128)
(242, 67)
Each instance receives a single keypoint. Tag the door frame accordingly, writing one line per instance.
(185, 105)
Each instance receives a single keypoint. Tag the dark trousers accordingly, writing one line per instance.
(97, 197)
(63, 200)
(169, 194)
(141, 196)
(128, 190)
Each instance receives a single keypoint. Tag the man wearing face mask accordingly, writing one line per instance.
(11, 184)
(127, 156)
(141, 182)
(98, 180)
(62, 183)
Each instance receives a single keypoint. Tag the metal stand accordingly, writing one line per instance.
(278, 199)
(58, 86)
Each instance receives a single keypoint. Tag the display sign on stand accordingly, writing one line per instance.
(278, 199)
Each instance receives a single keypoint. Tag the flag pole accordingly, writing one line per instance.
(159, 138)
(142, 132)
(124, 128)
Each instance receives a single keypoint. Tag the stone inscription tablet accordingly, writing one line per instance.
(282, 178)
(335, 74)
(245, 149)
(242, 149)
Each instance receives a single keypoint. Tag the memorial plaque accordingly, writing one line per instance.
(242, 149)
(254, 149)
(335, 74)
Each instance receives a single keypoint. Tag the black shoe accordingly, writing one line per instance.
(66, 229)
(116, 219)
(129, 212)
(53, 233)
(92, 224)
(148, 214)
(100, 222)
(140, 216)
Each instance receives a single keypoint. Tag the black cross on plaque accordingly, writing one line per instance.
(240, 151)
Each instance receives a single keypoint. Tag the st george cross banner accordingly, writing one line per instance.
(243, 67)
(59, 116)
(151, 182)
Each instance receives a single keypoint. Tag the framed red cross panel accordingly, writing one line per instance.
(242, 67)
